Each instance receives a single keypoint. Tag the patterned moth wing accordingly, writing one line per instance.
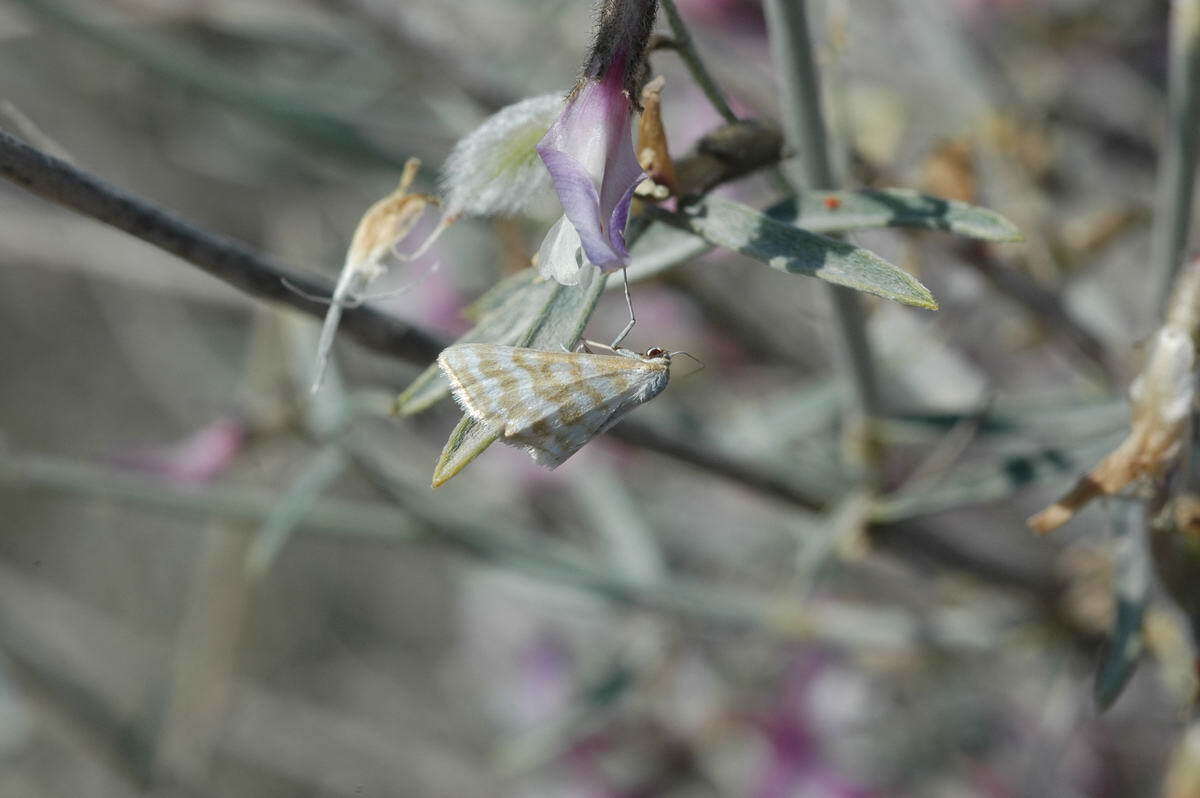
(551, 403)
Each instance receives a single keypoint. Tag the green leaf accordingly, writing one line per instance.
(506, 312)
(664, 245)
(841, 211)
(558, 323)
(790, 249)
(499, 294)
(1131, 586)
(467, 441)
(292, 508)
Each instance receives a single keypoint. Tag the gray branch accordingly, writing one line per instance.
(224, 258)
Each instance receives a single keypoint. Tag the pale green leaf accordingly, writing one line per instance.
(508, 310)
(1131, 587)
(843, 211)
(499, 293)
(664, 246)
(789, 249)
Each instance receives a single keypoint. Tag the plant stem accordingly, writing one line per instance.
(691, 58)
(804, 127)
(1177, 168)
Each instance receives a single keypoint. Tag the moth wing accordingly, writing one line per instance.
(512, 387)
(574, 411)
(479, 379)
(550, 403)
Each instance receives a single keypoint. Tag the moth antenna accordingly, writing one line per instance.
(693, 357)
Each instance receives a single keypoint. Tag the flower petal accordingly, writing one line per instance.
(560, 257)
(616, 224)
(581, 204)
(589, 154)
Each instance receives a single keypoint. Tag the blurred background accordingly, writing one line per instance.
(212, 585)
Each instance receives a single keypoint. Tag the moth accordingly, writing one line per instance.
(551, 403)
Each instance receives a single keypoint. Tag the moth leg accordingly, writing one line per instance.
(629, 304)
(295, 289)
(586, 345)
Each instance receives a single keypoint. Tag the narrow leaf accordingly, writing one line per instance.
(510, 307)
(841, 211)
(558, 324)
(467, 441)
(987, 482)
(795, 251)
(499, 293)
(1131, 593)
(292, 508)
(664, 246)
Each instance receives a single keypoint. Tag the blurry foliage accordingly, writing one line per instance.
(700, 602)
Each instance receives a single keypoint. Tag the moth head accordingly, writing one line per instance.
(656, 352)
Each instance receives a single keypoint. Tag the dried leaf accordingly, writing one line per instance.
(385, 224)
(652, 150)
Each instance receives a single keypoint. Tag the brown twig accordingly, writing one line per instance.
(706, 458)
(224, 258)
(727, 153)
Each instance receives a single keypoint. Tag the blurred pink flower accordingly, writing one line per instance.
(546, 686)
(796, 764)
(197, 458)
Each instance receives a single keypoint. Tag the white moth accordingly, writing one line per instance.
(551, 403)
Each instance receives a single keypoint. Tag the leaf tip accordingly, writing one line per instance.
(1010, 234)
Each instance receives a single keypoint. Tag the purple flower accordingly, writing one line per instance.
(589, 154)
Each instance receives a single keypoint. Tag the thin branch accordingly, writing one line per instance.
(727, 153)
(1044, 305)
(241, 267)
(173, 61)
(418, 521)
(1177, 167)
(691, 58)
(228, 260)
(804, 124)
(706, 459)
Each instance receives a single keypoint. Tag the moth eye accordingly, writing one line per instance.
(655, 352)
